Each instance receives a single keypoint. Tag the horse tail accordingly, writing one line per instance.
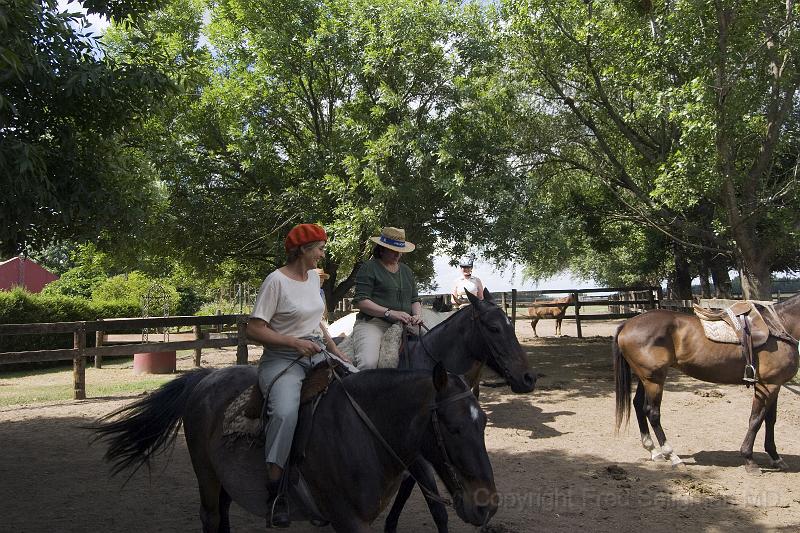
(148, 426)
(622, 374)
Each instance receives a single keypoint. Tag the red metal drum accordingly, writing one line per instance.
(154, 362)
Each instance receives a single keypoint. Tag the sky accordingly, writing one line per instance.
(98, 24)
(494, 280)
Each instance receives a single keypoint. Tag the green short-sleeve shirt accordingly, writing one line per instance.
(394, 291)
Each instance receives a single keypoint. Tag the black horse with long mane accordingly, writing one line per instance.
(476, 335)
(348, 471)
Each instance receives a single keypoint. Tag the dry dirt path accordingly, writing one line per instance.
(558, 464)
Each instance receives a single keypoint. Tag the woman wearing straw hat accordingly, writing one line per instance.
(286, 319)
(385, 293)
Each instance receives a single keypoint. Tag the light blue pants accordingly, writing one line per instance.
(283, 401)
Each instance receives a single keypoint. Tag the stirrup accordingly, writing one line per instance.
(749, 374)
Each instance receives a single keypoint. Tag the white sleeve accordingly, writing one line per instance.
(267, 300)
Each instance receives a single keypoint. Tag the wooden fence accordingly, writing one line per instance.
(622, 302)
(79, 352)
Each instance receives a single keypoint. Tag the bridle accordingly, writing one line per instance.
(437, 431)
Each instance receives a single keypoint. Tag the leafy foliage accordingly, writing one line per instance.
(65, 168)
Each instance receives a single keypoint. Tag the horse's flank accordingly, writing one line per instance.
(555, 308)
(678, 340)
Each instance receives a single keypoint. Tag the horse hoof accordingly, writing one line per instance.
(679, 464)
(780, 464)
(752, 469)
(658, 456)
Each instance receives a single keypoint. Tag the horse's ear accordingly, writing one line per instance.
(487, 296)
(472, 298)
(439, 377)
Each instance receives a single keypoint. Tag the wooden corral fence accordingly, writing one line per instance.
(622, 302)
(99, 328)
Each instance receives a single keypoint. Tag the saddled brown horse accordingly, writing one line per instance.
(556, 309)
(651, 343)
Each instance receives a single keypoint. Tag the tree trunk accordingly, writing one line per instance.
(333, 292)
(705, 286)
(682, 282)
(720, 277)
(756, 278)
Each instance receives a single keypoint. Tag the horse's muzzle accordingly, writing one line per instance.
(477, 510)
(526, 384)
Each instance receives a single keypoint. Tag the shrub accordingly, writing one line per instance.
(21, 307)
(132, 288)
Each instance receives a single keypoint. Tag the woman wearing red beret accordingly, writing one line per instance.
(286, 319)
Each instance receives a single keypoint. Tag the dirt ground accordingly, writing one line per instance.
(558, 464)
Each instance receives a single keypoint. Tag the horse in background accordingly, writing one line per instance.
(555, 308)
(650, 343)
(416, 413)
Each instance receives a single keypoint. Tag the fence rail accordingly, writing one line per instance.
(79, 352)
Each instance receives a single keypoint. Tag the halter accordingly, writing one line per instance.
(475, 317)
(451, 472)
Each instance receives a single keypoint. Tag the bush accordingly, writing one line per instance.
(132, 288)
(21, 307)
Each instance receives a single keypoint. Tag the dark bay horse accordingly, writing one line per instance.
(475, 335)
(349, 473)
(651, 343)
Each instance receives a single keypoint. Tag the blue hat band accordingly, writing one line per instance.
(386, 240)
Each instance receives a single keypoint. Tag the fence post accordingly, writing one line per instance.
(98, 342)
(79, 363)
(219, 326)
(650, 301)
(514, 308)
(659, 295)
(241, 336)
(576, 296)
(198, 335)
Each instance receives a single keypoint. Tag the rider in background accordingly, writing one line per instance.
(466, 282)
(286, 319)
(385, 293)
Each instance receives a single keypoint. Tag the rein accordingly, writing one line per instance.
(437, 432)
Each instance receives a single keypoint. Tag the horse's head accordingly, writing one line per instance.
(504, 354)
(455, 447)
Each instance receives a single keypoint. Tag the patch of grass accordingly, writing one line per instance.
(28, 394)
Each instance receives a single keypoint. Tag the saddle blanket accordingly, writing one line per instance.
(719, 331)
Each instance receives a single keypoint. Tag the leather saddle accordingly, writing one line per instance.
(735, 317)
(314, 385)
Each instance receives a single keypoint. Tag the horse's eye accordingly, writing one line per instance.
(494, 329)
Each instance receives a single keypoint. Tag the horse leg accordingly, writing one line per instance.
(210, 498)
(763, 398)
(639, 405)
(533, 325)
(406, 486)
(653, 392)
(769, 439)
(558, 327)
(224, 511)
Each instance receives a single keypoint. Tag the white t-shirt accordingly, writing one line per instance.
(290, 307)
(466, 284)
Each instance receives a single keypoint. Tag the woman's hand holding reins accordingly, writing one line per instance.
(306, 348)
(405, 318)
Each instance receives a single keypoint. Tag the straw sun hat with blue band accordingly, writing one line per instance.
(394, 239)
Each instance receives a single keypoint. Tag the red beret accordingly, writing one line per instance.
(303, 234)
